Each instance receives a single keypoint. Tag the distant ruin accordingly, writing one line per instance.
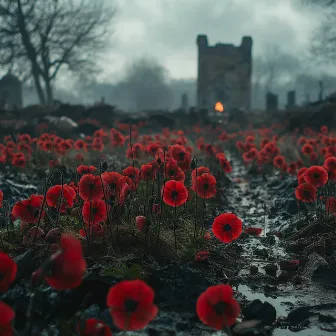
(224, 74)
(10, 92)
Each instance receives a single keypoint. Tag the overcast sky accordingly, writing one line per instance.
(167, 29)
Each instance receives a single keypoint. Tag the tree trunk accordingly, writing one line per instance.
(49, 91)
(38, 87)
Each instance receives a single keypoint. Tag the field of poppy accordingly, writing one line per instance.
(132, 227)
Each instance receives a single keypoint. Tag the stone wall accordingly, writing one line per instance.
(10, 92)
(224, 74)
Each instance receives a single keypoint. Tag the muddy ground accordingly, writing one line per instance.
(300, 300)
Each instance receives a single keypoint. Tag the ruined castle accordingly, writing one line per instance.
(224, 74)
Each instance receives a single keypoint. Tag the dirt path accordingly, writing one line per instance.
(312, 303)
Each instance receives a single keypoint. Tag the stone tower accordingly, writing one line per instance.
(185, 102)
(224, 74)
(10, 92)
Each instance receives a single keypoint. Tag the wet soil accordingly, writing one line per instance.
(301, 298)
(304, 296)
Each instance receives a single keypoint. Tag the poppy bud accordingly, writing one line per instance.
(52, 236)
(35, 277)
(202, 256)
(156, 208)
(140, 222)
(207, 236)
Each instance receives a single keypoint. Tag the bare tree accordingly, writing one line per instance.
(146, 85)
(39, 37)
(323, 48)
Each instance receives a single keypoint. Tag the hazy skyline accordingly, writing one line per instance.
(167, 30)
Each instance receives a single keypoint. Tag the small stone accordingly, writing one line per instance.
(326, 318)
(299, 314)
(271, 269)
(256, 310)
(283, 276)
(292, 207)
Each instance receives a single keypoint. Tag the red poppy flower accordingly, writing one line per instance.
(113, 183)
(93, 327)
(94, 212)
(54, 195)
(28, 210)
(250, 155)
(217, 308)
(6, 317)
(25, 138)
(1, 198)
(279, 161)
(19, 160)
(227, 227)
(131, 304)
(8, 269)
(324, 129)
(301, 171)
(331, 205)
(68, 265)
(85, 169)
(330, 163)
(132, 173)
(306, 192)
(202, 255)
(316, 175)
(152, 148)
(174, 193)
(174, 172)
(301, 179)
(205, 186)
(98, 145)
(124, 192)
(198, 172)
(226, 165)
(292, 168)
(80, 145)
(307, 149)
(90, 188)
(147, 172)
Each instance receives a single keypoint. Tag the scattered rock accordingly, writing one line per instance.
(292, 207)
(256, 310)
(284, 276)
(315, 265)
(326, 318)
(299, 314)
(271, 269)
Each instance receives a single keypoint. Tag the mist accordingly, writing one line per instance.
(146, 84)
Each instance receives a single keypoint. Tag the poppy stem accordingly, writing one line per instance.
(132, 155)
(161, 201)
(104, 191)
(175, 211)
(226, 326)
(45, 197)
(203, 219)
(195, 224)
